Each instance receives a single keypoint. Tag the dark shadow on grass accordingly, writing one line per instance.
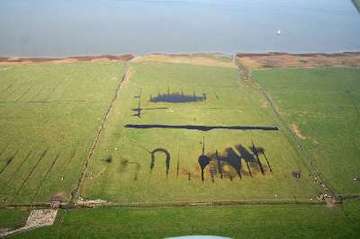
(177, 97)
(199, 127)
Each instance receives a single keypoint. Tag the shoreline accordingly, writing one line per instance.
(129, 57)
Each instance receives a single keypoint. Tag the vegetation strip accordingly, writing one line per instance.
(76, 192)
(199, 127)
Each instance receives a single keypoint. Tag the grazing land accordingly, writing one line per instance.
(265, 140)
(130, 164)
(321, 106)
(256, 221)
(49, 114)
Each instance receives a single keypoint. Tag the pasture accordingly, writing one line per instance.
(159, 164)
(49, 115)
(255, 221)
(321, 106)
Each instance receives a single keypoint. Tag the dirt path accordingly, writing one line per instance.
(125, 78)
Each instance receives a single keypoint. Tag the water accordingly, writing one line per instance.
(92, 27)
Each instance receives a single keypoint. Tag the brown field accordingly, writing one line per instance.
(103, 58)
(285, 60)
(194, 59)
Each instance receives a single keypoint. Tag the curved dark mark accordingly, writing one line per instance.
(167, 160)
(199, 127)
(31, 172)
(45, 176)
(18, 169)
(177, 97)
(8, 161)
(203, 160)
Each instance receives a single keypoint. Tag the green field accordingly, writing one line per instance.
(127, 177)
(324, 103)
(60, 124)
(49, 115)
(261, 221)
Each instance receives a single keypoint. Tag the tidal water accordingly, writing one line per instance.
(36, 28)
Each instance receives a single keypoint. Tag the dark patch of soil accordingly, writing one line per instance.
(177, 97)
(200, 127)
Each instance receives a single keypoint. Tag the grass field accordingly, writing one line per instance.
(323, 104)
(56, 127)
(49, 114)
(120, 171)
(276, 221)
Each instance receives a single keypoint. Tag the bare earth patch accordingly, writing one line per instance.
(194, 59)
(24, 61)
(295, 128)
(37, 218)
(285, 60)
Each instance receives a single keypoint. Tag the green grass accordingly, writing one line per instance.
(276, 221)
(49, 115)
(13, 218)
(324, 103)
(230, 101)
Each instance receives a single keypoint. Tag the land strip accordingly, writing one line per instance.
(124, 78)
(72, 59)
(306, 60)
(200, 127)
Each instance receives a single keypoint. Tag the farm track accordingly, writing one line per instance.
(298, 146)
(76, 192)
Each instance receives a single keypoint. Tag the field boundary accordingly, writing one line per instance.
(76, 192)
(170, 204)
